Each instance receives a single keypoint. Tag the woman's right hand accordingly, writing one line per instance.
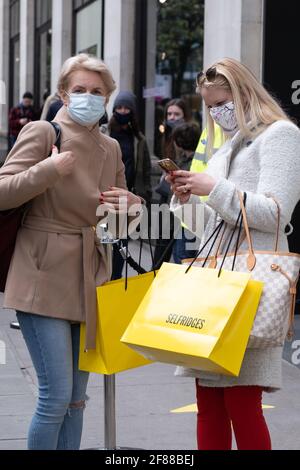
(64, 162)
(183, 197)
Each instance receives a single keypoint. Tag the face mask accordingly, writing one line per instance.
(86, 109)
(174, 122)
(123, 119)
(225, 117)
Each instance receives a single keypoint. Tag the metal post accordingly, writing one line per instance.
(110, 441)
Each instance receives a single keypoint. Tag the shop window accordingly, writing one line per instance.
(43, 12)
(179, 57)
(88, 39)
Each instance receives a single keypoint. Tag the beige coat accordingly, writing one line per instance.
(58, 261)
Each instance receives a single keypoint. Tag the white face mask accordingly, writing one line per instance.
(86, 109)
(225, 117)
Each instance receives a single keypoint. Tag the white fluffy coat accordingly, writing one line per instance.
(267, 166)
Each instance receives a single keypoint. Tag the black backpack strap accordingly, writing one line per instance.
(58, 134)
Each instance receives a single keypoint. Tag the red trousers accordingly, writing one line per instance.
(222, 409)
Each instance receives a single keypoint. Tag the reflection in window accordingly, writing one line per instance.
(43, 12)
(179, 44)
(89, 39)
(179, 57)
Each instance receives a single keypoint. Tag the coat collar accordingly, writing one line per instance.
(70, 126)
(72, 129)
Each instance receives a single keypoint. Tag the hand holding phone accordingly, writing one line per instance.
(168, 165)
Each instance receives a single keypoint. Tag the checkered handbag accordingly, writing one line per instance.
(279, 271)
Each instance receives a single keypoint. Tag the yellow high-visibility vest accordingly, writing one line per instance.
(200, 159)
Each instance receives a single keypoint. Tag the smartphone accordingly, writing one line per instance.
(168, 165)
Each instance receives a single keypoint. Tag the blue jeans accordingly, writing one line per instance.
(53, 345)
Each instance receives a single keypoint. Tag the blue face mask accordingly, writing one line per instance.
(86, 109)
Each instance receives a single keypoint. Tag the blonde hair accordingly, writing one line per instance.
(85, 62)
(252, 101)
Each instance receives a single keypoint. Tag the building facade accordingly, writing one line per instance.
(36, 36)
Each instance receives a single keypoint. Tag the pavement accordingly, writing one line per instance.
(154, 409)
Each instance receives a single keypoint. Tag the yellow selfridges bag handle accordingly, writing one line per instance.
(215, 236)
(117, 302)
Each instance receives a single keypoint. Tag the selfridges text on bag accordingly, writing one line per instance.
(279, 271)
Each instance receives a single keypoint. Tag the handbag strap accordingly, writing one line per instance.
(214, 260)
(239, 222)
(57, 129)
(246, 225)
(215, 234)
(251, 259)
(124, 251)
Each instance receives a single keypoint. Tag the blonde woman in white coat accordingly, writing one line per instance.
(261, 156)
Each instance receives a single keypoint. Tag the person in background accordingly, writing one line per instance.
(20, 116)
(53, 109)
(123, 127)
(260, 156)
(49, 101)
(185, 137)
(176, 113)
(40, 110)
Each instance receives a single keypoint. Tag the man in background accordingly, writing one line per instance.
(20, 116)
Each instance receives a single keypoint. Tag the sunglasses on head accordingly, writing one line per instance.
(209, 75)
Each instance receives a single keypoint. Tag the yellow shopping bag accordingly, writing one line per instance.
(116, 307)
(196, 319)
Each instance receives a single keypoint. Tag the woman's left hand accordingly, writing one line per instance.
(119, 199)
(200, 184)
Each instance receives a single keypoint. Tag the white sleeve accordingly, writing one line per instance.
(279, 177)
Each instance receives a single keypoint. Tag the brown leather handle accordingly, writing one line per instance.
(251, 260)
(246, 221)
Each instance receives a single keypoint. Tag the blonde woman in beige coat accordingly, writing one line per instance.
(58, 261)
